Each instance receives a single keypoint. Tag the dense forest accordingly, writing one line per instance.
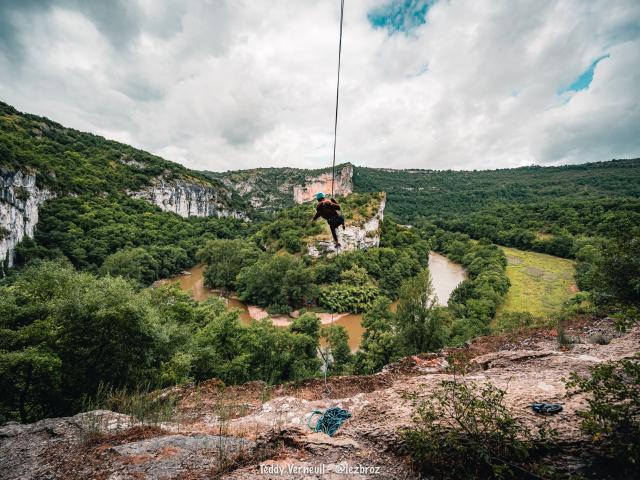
(100, 231)
(547, 209)
(66, 334)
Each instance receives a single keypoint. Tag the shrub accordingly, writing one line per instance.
(348, 298)
(612, 418)
(510, 321)
(466, 431)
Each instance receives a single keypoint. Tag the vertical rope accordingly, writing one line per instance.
(335, 125)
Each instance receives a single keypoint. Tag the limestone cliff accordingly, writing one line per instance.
(188, 198)
(276, 188)
(342, 186)
(359, 233)
(19, 202)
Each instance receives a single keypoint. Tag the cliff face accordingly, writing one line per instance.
(358, 234)
(277, 188)
(342, 187)
(187, 199)
(19, 202)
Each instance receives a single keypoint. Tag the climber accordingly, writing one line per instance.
(329, 209)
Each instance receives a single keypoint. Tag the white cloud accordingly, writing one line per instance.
(235, 84)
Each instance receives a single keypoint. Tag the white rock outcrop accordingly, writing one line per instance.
(19, 202)
(353, 237)
(187, 199)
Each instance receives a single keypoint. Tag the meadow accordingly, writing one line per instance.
(540, 283)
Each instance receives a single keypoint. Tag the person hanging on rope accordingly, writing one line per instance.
(329, 209)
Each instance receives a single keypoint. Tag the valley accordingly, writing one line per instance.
(490, 288)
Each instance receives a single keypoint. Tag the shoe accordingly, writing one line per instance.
(344, 227)
(338, 245)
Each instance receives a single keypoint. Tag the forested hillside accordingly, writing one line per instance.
(68, 161)
(92, 214)
(547, 209)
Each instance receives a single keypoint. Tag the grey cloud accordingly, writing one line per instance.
(11, 12)
(235, 84)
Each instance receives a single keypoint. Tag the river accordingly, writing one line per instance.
(445, 275)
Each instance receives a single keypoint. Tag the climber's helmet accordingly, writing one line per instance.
(319, 196)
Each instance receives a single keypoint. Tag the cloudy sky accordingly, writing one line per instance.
(228, 84)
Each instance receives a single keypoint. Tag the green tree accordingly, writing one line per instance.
(616, 279)
(225, 259)
(336, 341)
(280, 283)
(305, 339)
(355, 276)
(64, 333)
(220, 352)
(379, 345)
(134, 264)
(419, 321)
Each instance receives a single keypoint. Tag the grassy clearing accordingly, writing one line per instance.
(539, 283)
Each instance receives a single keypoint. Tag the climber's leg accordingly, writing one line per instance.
(333, 226)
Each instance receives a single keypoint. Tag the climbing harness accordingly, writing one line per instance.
(546, 408)
(329, 421)
(335, 125)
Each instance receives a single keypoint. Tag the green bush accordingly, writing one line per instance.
(348, 298)
(464, 430)
(612, 418)
(511, 321)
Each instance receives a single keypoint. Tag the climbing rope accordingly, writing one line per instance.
(329, 421)
(335, 125)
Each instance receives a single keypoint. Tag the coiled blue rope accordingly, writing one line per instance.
(329, 421)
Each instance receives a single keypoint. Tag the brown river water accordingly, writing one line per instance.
(445, 275)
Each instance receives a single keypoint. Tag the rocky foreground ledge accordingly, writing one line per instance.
(256, 432)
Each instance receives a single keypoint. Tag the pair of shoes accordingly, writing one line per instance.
(337, 244)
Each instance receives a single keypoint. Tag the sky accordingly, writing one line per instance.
(437, 84)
